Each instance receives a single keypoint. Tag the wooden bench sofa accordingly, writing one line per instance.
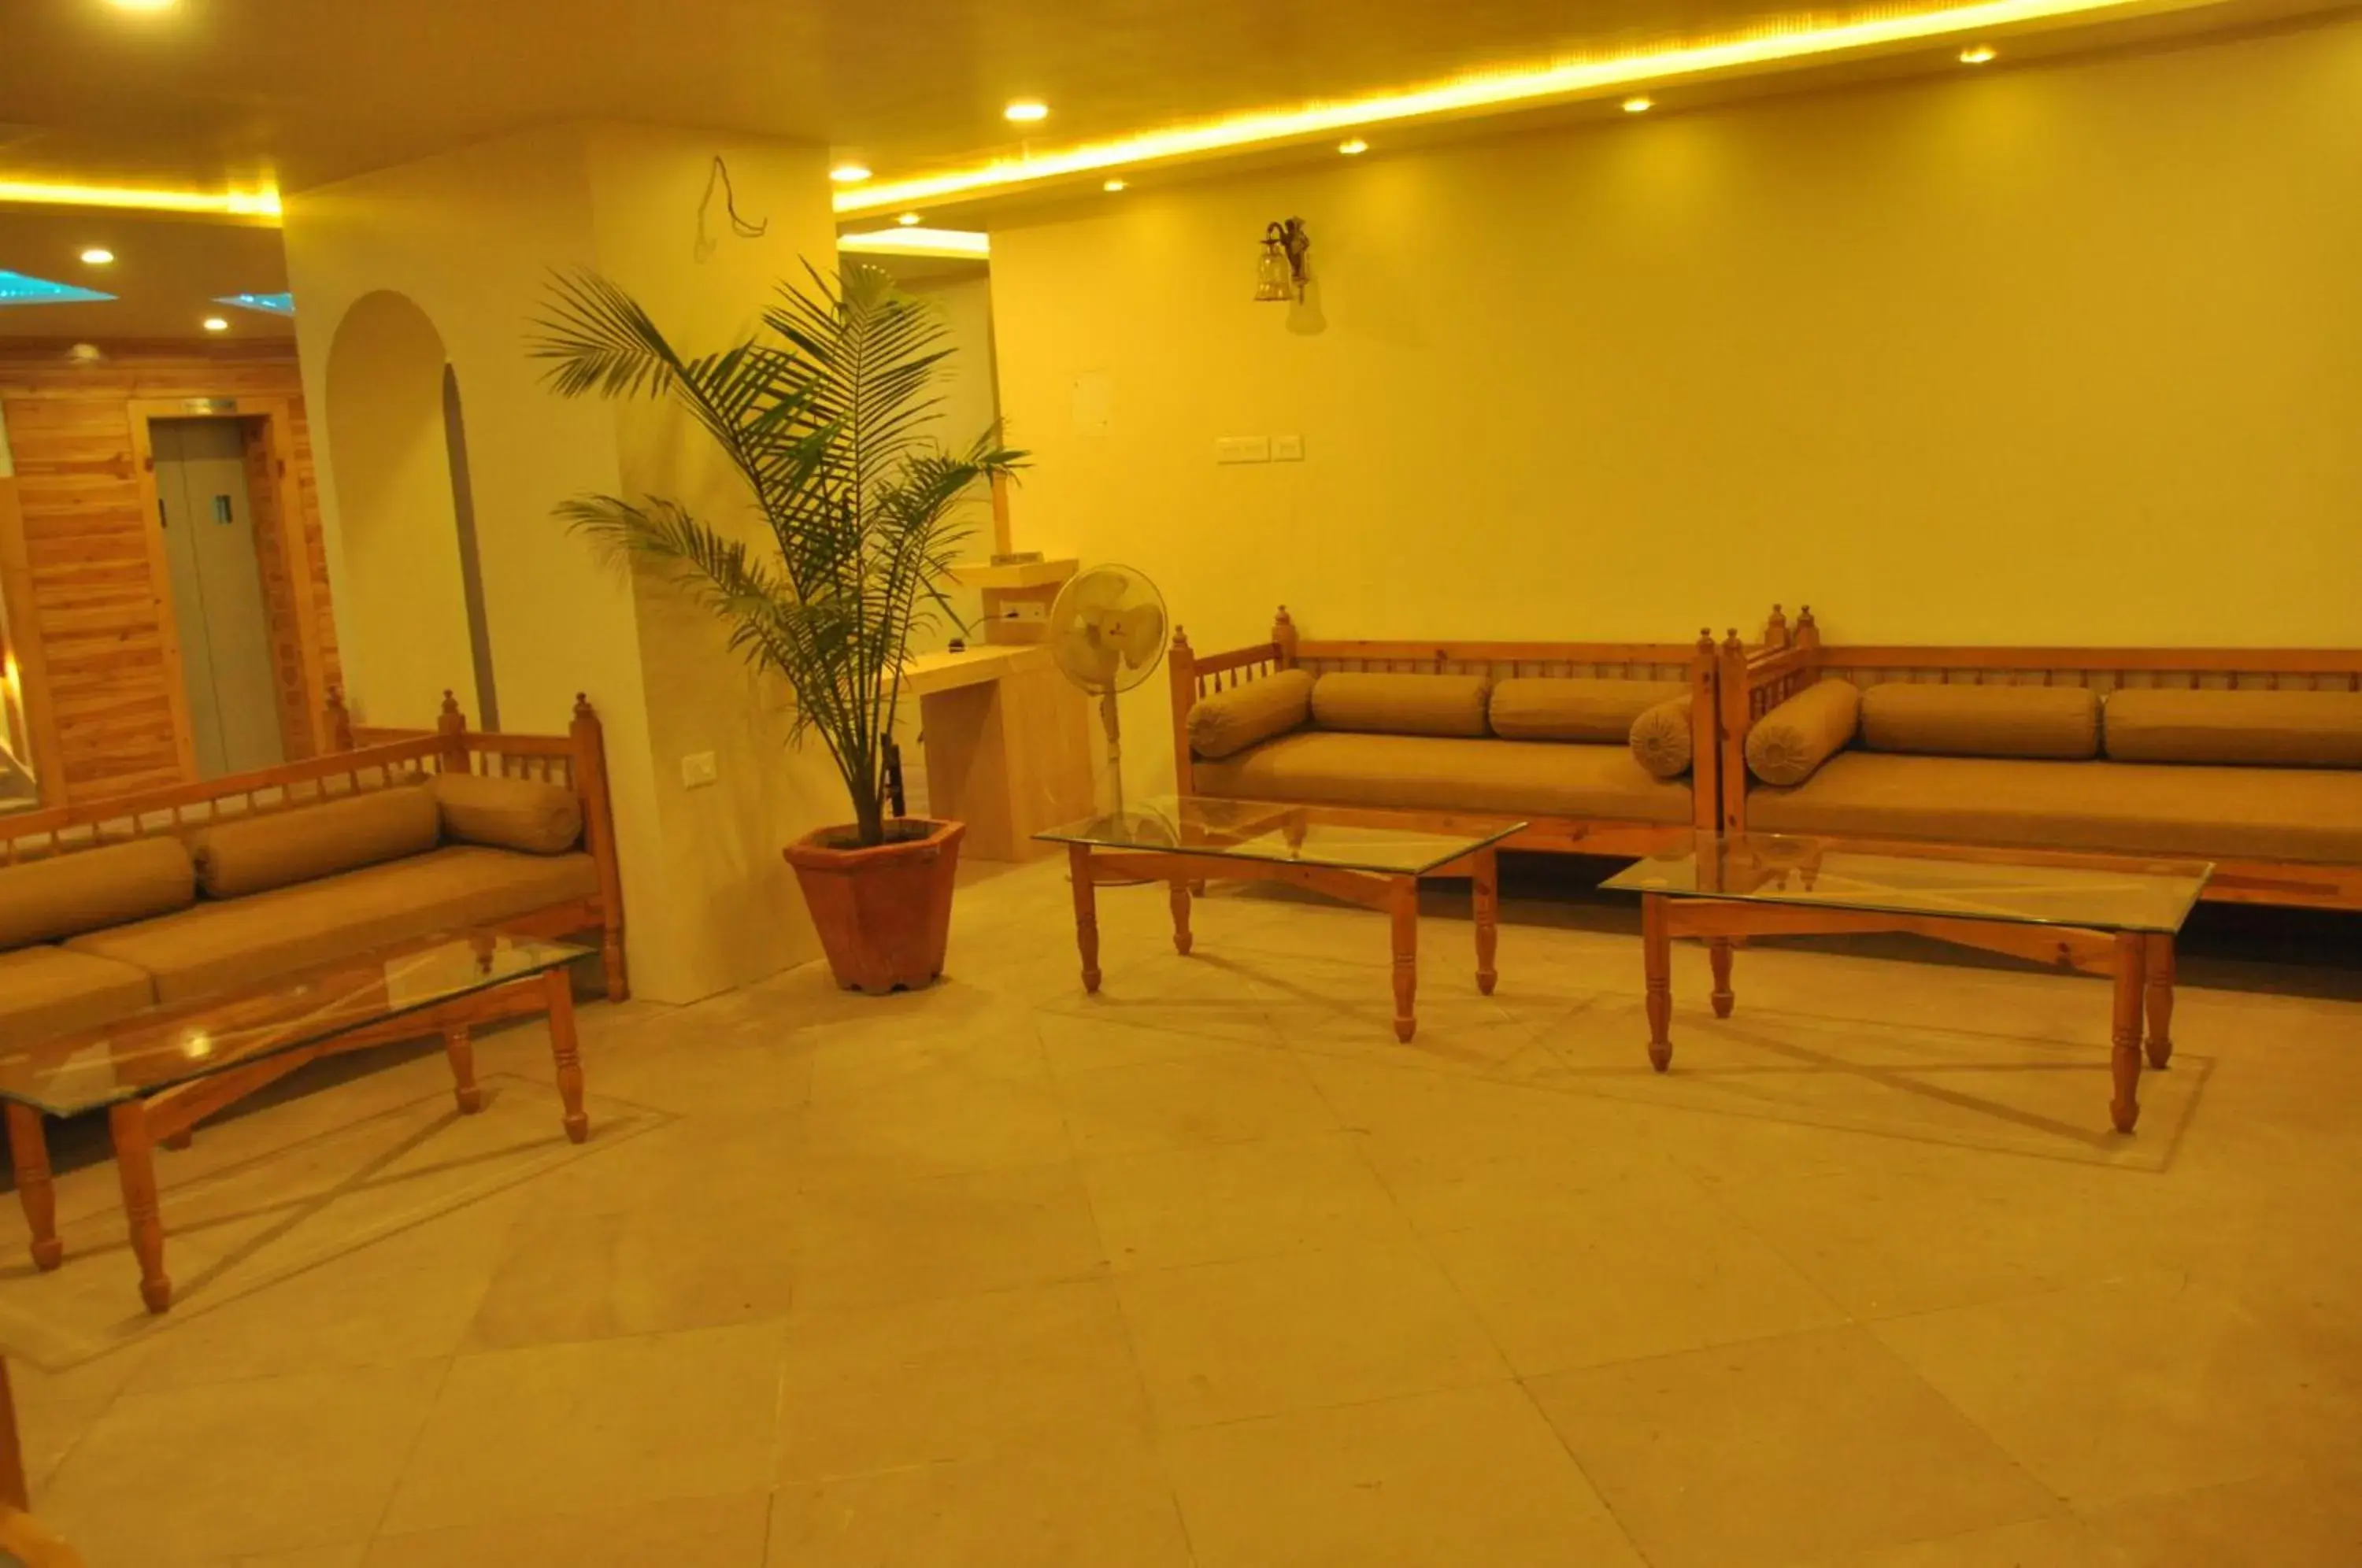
(1443, 733)
(2248, 758)
(108, 906)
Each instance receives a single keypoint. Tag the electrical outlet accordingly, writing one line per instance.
(699, 770)
(1243, 450)
(1287, 448)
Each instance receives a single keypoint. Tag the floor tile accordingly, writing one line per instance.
(646, 1270)
(679, 1532)
(262, 1465)
(947, 1235)
(1098, 1507)
(1225, 1098)
(1615, 1281)
(2139, 1385)
(872, 1388)
(927, 1128)
(2271, 1522)
(1217, 1202)
(1780, 1451)
(1222, 1342)
(568, 1428)
(2036, 1543)
(1471, 1475)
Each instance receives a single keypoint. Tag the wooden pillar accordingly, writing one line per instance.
(1181, 673)
(1283, 637)
(453, 727)
(598, 835)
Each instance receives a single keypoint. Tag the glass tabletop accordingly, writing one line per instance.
(160, 1046)
(1259, 830)
(2025, 886)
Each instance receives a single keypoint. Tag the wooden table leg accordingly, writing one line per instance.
(1718, 951)
(135, 1166)
(461, 1050)
(1181, 937)
(2124, 1059)
(1404, 907)
(1086, 912)
(1487, 881)
(2160, 961)
(1657, 958)
(29, 1152)
(557, 986)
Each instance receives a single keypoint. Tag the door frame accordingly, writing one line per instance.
(277, 414)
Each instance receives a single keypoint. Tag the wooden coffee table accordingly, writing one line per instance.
(2105, 914)
(159, 1072)
(1191, 840)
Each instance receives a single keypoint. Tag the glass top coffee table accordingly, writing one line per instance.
(1189, 841)
(2097, 913)
(159, 1071)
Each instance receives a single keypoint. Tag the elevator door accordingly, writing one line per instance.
(217, 594)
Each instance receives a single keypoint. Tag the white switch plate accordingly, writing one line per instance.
(698, 770)
(1243, 450)
(1287, 448)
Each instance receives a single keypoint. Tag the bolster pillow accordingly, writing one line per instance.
(1229, 721)
(1556, 708)
(252, 855)
(529, 815)
(1402, 704)
(85, 890)
(1660, 738)
(2056, 722)
(1801, 734)
(2273, 729)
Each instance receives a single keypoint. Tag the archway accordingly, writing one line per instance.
(403, 613)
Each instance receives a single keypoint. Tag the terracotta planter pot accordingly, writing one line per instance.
(884, 913)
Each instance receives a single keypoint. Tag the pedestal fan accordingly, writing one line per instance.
(1107, 633)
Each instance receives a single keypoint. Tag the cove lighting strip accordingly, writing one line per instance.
(1774, 43)
(916, 242)
(217, 203)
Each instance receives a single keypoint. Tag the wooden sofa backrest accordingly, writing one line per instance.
(1194, 675)
(1789, 658)
(576, 760)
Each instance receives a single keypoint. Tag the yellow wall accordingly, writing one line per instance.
(472, 238)
(2065, 354)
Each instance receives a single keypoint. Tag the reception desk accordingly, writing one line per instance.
(1008, 742)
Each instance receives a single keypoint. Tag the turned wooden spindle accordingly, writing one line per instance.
(1775, 630)
(1282, 637)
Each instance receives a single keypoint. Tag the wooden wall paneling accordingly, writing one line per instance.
(25, 635)
(106, 697)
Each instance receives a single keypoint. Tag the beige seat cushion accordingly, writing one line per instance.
(2058, 722)
(55, 990)
(1798, 735)
(85, 889)
(1401, 704)
(241, 941)
(1660, 738)
(1232, 721)
(278, 848)
(2285, 729)
(1533, 707)
(529, 815)
(1434, 773)
(2232, 814)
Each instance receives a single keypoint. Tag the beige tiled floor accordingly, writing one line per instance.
(1207, 1269)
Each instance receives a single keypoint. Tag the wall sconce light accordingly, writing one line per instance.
(1280, 275)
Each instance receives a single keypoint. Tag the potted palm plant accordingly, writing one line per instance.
(823, 418)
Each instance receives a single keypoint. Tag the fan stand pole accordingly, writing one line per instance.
(1107, 715)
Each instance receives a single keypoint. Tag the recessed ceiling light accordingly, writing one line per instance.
(1353, 147)
(1976, 54)
(1638, 103)
(217, 324)
(1027, 110)
(1113, 185)
(848, 173)
(97, 256)
(908, 220)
